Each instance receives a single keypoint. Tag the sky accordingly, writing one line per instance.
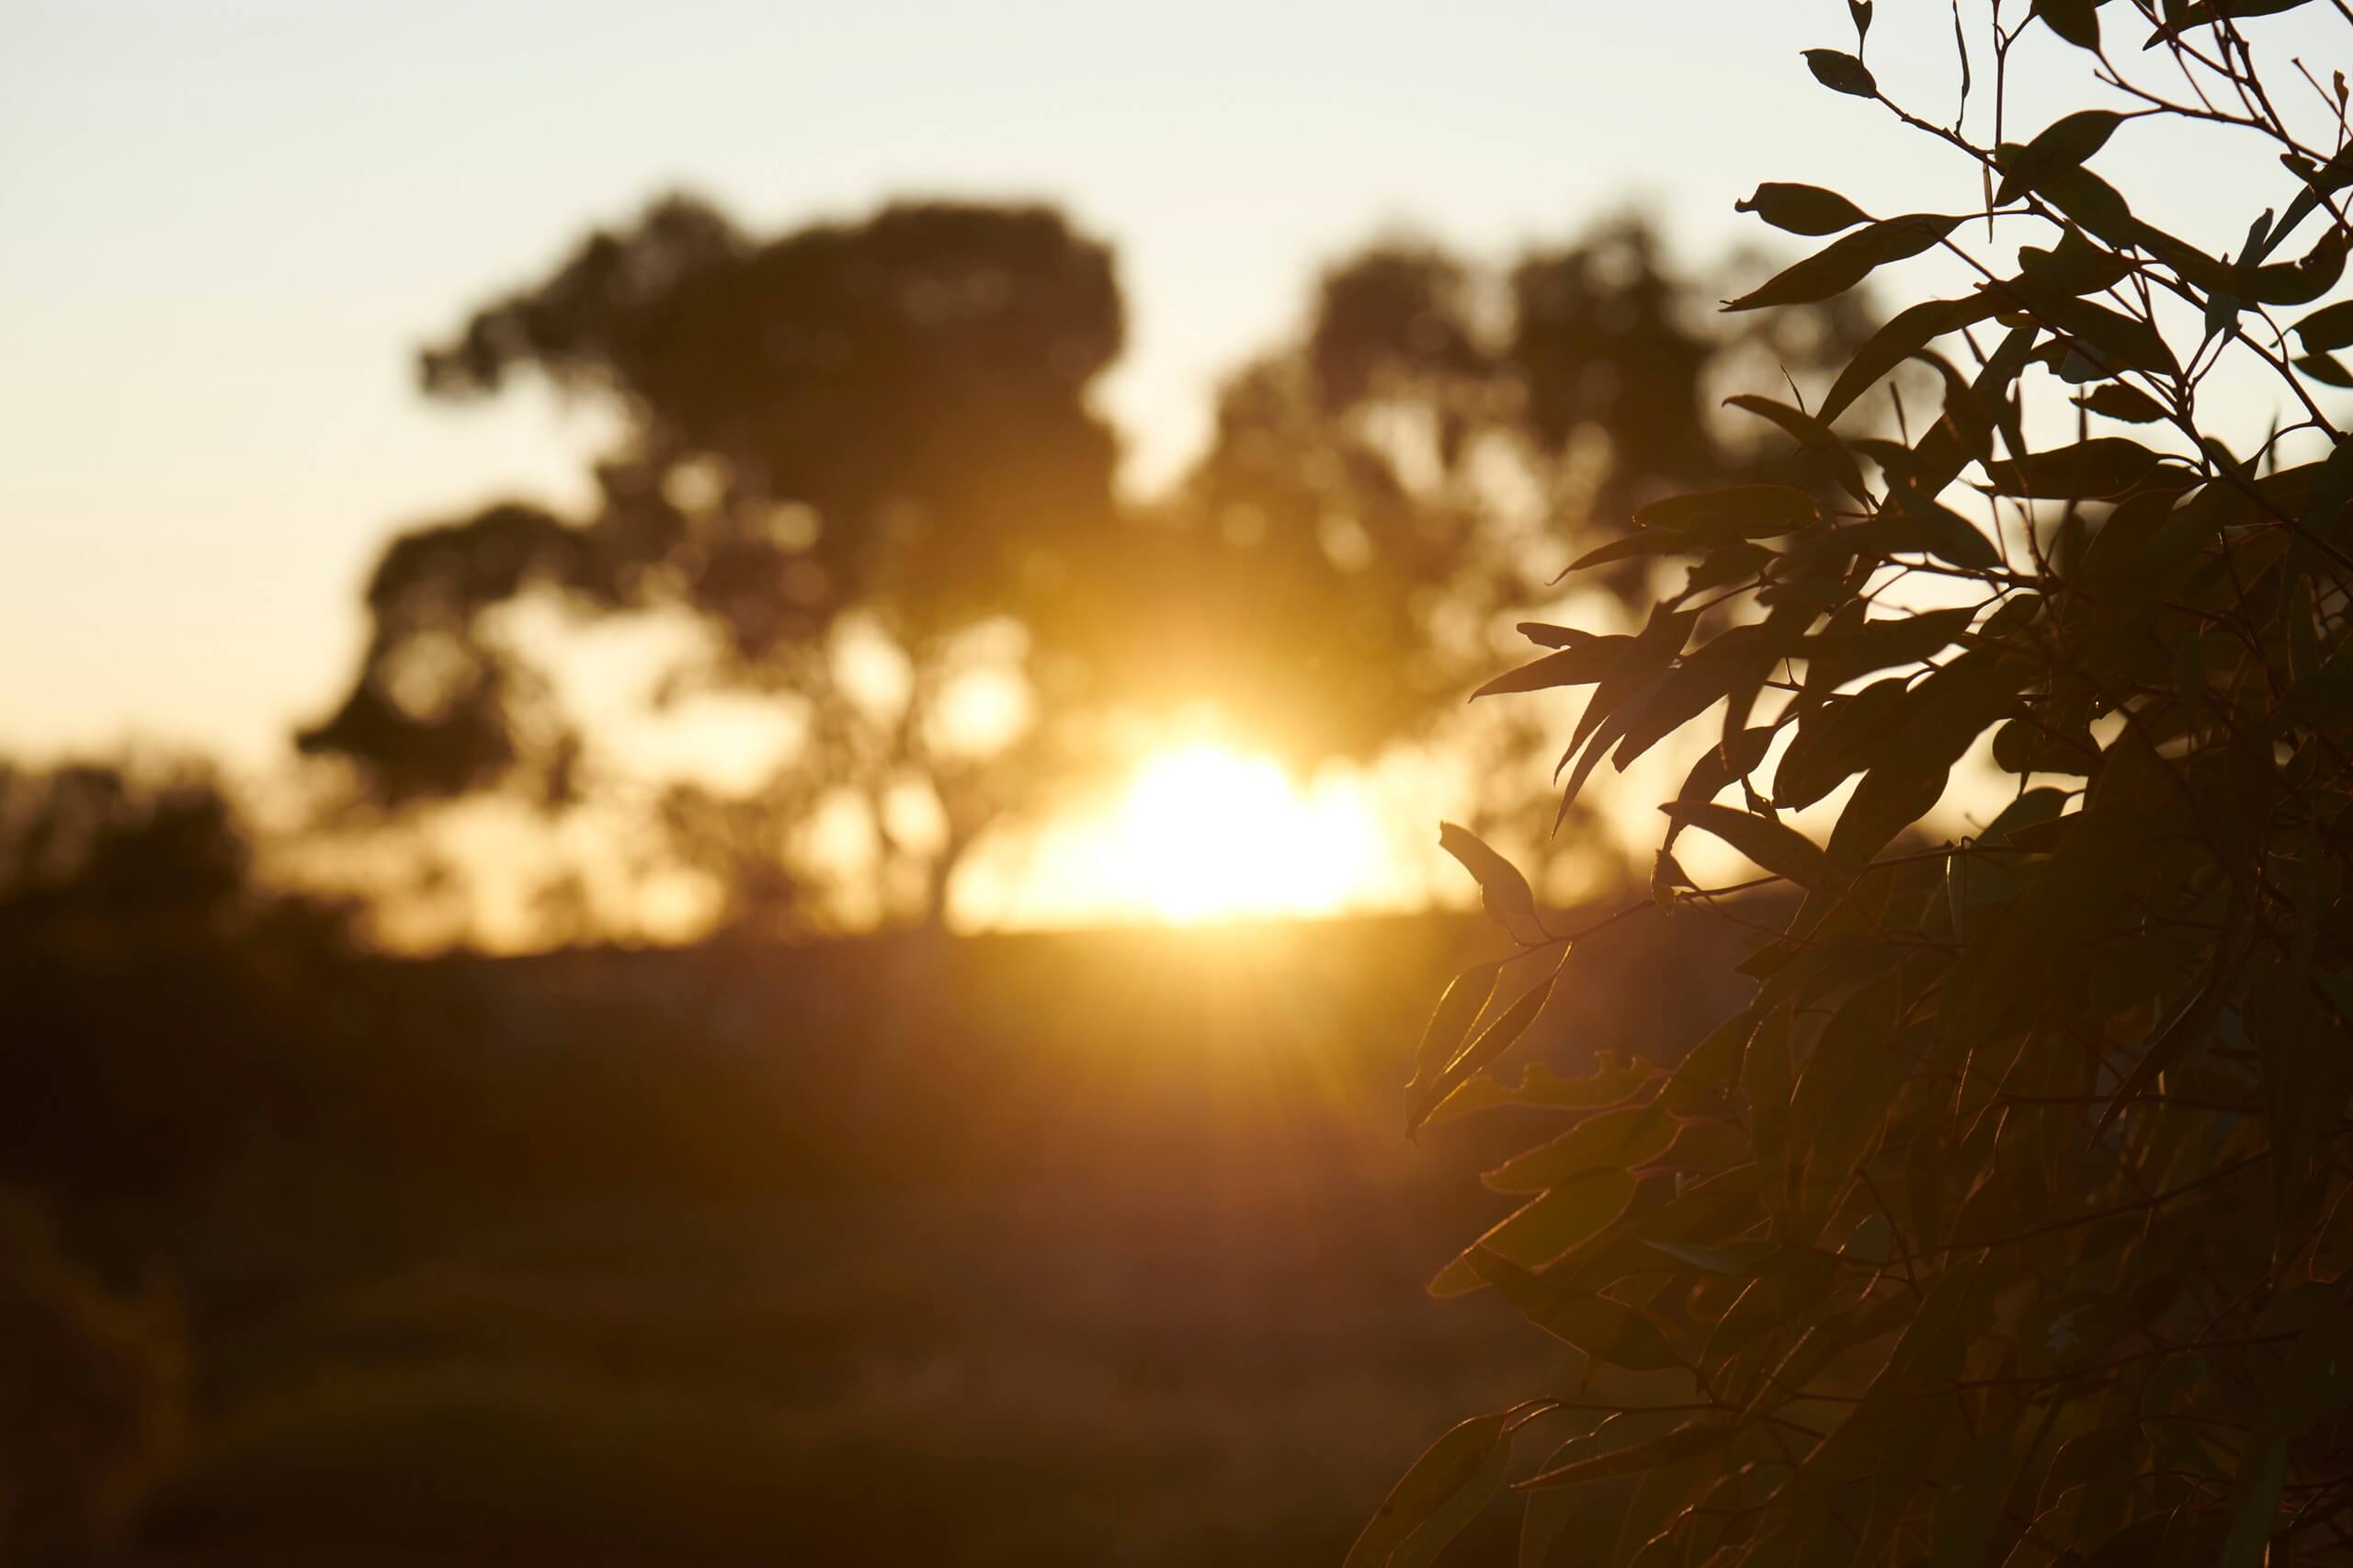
(226, 227)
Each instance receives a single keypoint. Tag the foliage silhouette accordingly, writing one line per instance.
(885, 431)
(123, 883)
(111, 853)
(2009, 1221)
(887, 420)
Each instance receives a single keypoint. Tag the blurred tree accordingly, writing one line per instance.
(1381, 493)
(862, 455)
(108, 852)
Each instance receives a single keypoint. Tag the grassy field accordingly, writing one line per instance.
(1083, 1249)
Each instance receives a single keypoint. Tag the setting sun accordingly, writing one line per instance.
(1203, 832)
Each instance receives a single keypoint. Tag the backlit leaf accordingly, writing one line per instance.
(1778, 848)
(1903, 335)
(1835, 742)
(1510, 901)
(2075, 20)
(2205, 13)
(2327, 368)
(1634, 547)
(2114, 400)
(1546, 635)
(1612, 1140)
(1605, 1330)
(1539, 1088)
(2062, 146)
(1465, 997)
(1451, 1518)
(2094, 204)
(2301, 283)
(1740, 1259)
(1891, 642)
(2331, 326)
(2075, 266)
(1684, 1442)
(1803, 208)
(1841, 73)
(1742, 511)
(2105, 465)
(1580, 666)
(2115, 341)
(1492, 1042)
(1457, 1464)
(1814, 438)
(1914, 521)
(1847, 260)
(1543, 1228)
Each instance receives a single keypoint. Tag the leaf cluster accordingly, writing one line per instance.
(2010, 1220)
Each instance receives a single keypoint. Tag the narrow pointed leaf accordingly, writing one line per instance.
(1803, 208)
(1775, 847)
(2062, 146)
(1466, 996)
(2331, 326)
(1841, 73)
(1454, 1465)
(1492, 1042)
(1847, 260)
(2114, 400)
(1683, 1443)
(1903, 335)
(1580, 666)
(1510, 901)
(2105, 465)
(1813, 435)
(1742, 511)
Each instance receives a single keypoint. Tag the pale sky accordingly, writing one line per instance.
(225, 226)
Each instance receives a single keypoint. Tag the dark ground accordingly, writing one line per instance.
(1099, 1248)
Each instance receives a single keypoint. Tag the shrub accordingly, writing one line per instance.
(92, 1399)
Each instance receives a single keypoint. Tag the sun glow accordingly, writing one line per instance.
(1203, 832)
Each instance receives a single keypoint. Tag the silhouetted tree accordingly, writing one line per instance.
(146, 969)
(111, 851)
(1385, 493)
(878, 430)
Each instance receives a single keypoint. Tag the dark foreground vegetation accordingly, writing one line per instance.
(1077, 1248)
(2010, 1221)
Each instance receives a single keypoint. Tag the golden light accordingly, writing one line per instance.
(1203, 832)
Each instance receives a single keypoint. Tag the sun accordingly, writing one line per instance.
(1200, 831)
(1204, 833)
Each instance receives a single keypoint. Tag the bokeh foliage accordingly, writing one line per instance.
(886, 422)
(885, 433)
(2009, 1222)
